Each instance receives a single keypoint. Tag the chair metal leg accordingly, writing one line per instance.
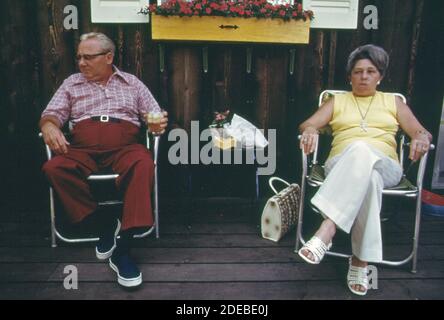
(257, 184)
(155, 197)
(416, 235)
(300, 219)
(419, 180)
(156, 203)
(156, 194)
(411, 257)
(55, 234)
(52, 216)
(411, 192)
(301, 204)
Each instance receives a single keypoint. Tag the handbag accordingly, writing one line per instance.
(281, 211)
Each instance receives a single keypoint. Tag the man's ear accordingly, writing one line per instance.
(109, 58)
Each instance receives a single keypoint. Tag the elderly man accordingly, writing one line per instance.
(105, 107)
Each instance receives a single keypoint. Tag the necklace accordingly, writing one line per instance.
(363, 124)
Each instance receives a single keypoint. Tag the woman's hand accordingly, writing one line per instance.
(309, 140)
(419, 145)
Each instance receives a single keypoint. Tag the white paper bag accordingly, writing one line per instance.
(245, 132)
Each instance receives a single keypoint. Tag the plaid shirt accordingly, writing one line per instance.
(124, 97)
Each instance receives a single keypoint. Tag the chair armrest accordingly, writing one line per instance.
(315, 153)
(47, 149)
(154, 149)
(421, 168)
(154, 146)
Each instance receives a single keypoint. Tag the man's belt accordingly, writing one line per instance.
(105, 118)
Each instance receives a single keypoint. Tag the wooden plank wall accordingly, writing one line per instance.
(38, 53)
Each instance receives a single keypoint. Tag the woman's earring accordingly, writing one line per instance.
(379, 82)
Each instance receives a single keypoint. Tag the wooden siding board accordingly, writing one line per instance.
(298, 290)
(280, 254)
(202, 257)
(46, 57)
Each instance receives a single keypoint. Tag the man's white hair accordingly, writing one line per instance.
(106, 43)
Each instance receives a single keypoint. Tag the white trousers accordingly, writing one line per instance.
(351, 195)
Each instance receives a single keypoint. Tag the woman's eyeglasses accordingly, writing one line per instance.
(88, 57)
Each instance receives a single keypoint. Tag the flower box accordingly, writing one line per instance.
(229, 29)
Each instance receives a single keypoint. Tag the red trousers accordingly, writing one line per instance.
(96, 146)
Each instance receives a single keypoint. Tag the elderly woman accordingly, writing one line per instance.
(362, 161)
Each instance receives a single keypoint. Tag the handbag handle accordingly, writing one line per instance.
(270, 182)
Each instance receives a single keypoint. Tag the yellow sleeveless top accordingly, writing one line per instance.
(381, 120)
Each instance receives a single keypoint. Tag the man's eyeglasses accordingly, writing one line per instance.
(88, 57)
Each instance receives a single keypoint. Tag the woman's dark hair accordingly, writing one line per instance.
(375, 54)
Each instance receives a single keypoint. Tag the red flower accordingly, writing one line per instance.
(230, 8)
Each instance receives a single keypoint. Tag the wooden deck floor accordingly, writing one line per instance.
(211, 251)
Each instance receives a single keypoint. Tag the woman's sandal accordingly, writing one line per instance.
(357, 276)
(317, 248)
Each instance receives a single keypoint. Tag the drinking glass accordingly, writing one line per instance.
(154, 120)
